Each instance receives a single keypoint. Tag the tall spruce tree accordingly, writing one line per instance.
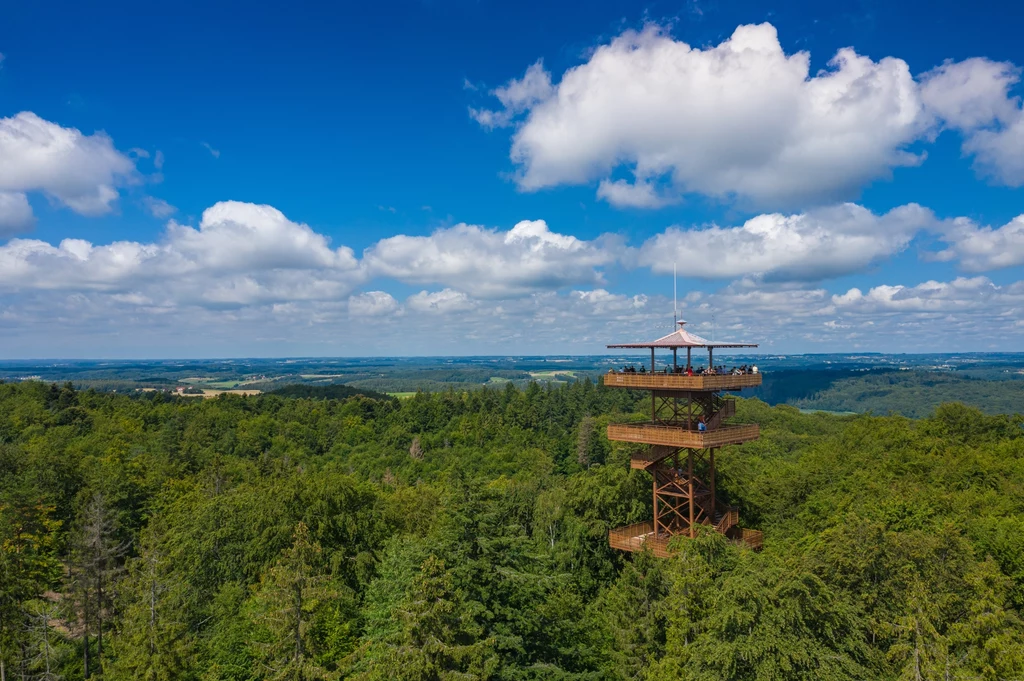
(286, 608)
(95, 567)
(28, 566)
(155, 643)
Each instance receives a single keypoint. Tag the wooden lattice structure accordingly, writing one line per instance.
(689, 423)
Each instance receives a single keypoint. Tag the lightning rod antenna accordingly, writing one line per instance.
(675, 302)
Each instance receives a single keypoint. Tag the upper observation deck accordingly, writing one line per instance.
(676, 375)
(681, 338)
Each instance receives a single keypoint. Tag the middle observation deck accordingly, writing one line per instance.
(681, 382)
(676, 436)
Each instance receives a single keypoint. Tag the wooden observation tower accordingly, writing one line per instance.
(689, 423)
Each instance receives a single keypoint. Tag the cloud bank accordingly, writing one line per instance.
(250, 269)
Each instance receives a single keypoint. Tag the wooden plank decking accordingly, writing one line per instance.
(673, 436)
(639, 536)
(658, 381)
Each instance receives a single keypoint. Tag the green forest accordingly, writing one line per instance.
(916, 393)
(463, 535)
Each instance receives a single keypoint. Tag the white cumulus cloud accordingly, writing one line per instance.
(79, 171)
(819, 244)
(516, 96)
(158, 208)
(490, 262)
(241, 254)
(976, 296)
(973, 97)
(639, 194)
(741, 118)
(15, 213)
(445, 301)
(980, 249)
(372, 304)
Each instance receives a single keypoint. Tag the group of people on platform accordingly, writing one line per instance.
(690, 371)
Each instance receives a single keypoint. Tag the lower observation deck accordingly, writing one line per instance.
(640, 536)
(674, 436)
(657, 381)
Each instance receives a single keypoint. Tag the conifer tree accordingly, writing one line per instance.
(921, 651)
(988, 641)
(439, 639)
(46, 649)
(155, 642)
(27, 568)
(632, 615)
(293, 593)
(95, 568)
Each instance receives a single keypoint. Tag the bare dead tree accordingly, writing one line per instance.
(95, 566)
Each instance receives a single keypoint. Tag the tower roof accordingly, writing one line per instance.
(681, 338)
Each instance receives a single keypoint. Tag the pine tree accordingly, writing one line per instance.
(155, 641)
(632, 616)
(439, 639)
(921, 651)
(988, 641)
(27, 567)
(46, 649)
(584, 439)
(291, 597)
(95, 568)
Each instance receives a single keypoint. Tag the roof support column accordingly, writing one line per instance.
(652, 360)
(711, 358)
(675, 362)
(688, 357)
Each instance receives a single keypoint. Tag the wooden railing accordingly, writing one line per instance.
(639, 536)
(726, 411)
(752, 538)
(656, 381)
(642, 460)
(729, 519)
(636, 537)
(673, 436)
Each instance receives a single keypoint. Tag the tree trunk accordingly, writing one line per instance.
(298, 624)
(46, 643)
(917, 651)
(152, 618)
(99, 620)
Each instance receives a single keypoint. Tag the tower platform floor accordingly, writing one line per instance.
(640, 536)
(675, 436)
(657, 381)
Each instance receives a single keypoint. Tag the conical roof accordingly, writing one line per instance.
(681, 338)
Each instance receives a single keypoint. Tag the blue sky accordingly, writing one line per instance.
(215, 179)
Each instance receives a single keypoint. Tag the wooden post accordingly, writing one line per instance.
(652, 360)
(675, 363)
(688, 357)
(711, 462)
(654, 473)
(689, 452)
(711, 358)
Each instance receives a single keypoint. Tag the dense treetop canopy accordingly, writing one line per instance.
(463, 535)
